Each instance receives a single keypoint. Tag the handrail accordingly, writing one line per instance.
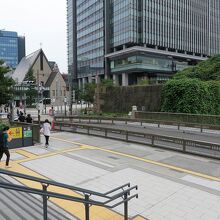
(111, 191)
(47, 193)
(54, 183)
(87, 193)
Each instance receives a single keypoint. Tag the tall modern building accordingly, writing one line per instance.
(12, 48)
(132, 40)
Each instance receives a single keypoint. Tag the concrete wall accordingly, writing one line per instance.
(121, 99)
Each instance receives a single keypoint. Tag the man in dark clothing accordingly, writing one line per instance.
(29, 119)
(18, 113)
(4, 148)
(21, 118)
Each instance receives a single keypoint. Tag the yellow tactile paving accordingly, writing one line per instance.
(47, 154)
(74, 208)
(139, 218)
(25, 153)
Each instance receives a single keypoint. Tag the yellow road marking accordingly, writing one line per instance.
(148, 161)
(48, 154)
(25, 153)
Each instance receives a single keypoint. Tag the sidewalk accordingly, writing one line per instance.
(171, 185)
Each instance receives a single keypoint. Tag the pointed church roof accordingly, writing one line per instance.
(25, 66)
(51, 79)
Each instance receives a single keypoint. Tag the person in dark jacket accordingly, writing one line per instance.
(29, 119)
(4, 148)
(21, 118)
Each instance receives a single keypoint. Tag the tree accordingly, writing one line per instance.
(107, 83)
(6, 84)
(205, 70)
(195, 89)
(89, 92)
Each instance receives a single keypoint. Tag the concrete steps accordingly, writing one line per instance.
(18, 205)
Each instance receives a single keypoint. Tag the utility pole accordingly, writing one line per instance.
(38, 98)
(65, 101)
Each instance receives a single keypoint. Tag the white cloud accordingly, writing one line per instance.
(42, 21)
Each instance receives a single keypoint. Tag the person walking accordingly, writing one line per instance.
(46, 131)
(29, 119)
(4, 148)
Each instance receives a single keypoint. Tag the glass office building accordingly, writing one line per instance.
(131, 40)
(12, 48)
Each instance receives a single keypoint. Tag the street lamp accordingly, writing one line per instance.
(65, 101)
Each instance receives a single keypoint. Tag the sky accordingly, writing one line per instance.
(42, 22)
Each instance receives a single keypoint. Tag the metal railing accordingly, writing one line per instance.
(201, 148)
(180, 117)
(123, 193)
(159, 123)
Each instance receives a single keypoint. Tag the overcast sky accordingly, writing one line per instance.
(42, 22)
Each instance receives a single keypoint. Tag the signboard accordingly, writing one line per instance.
(27, 133)
(15, 133)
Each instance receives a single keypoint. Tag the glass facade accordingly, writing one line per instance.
(70, 35)
(185, 30)
(90, 38)
(192, 26)
(123, 22)
(140, 62)
(9, 48)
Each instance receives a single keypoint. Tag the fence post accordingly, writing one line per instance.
(87, 130)
(152, 141)
(86, 207)
(141, 123)
(158, 124)
(105, 132)
(45, 201)
(126, 135)
(201, 128)
(184, 145)
(178, 126)
(125, 207)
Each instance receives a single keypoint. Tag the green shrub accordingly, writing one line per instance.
(191, 96)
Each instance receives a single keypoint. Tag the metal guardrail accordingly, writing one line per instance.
(180, 117)
(123, 193)
(168, 142)
(159, 123)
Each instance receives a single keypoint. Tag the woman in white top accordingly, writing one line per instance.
(46, 131)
